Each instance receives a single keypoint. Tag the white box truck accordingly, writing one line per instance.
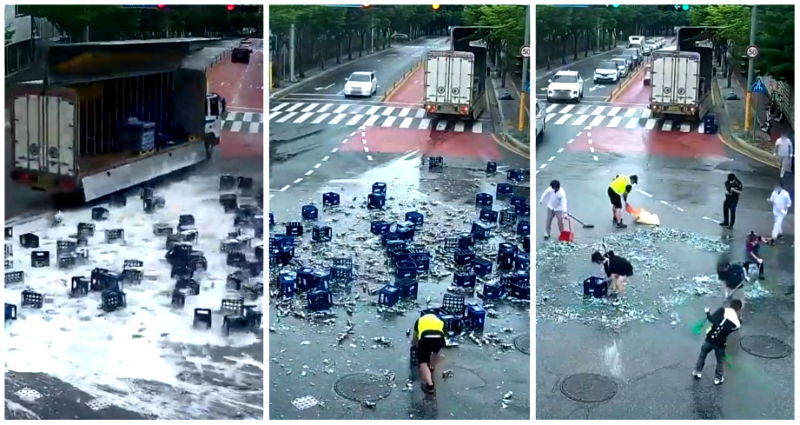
(455, 83)
(676, 86)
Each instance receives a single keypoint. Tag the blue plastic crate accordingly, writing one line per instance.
(476, 317)
(320, 300)
(465, 241)
(417, 218)
(520, 289)
(481, 266)
(330, 199)
(409, 288)
(271, 219)
(310, 212)
(202, 318)
(322, 234)
(405, 269)
(452, 324)
(463, 257)
(422, 260)
(305, 279)
(504, 190)
(405, 230)
(524, 228)
(488, 215)
(376, 201)
(491, 167)
(32, 299)
(10, 311)
(294, 228)
(379, 188)
(481, 230)
(522, 261)
(287, 282)
(379, 227)
(506, 281)
(389, 295)
(515, 175)
(506, 255)
(508, 217)
(113, 300)
(492, 290)
(79, 286)
(435, 163)
(453, 304)
(320, 280)
(526, 244)
(523, 209)
(392, 239)
(465, 279)
(483, 200)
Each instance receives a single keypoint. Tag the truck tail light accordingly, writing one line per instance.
(66, 185)
(430, 107)
(464, 110)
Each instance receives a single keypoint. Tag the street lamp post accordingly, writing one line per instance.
(523, 98)
(750, 66)
(291, 54)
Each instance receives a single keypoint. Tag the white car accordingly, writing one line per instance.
(565, 85)
(622, 66)
(539, 122)
(361, 84)
(606, 72)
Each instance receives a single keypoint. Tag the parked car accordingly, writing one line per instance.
(622, 65)
(606, 71)
(539, 122)
(361, 84)
(631, 62)
(565, 85)
(634, 51)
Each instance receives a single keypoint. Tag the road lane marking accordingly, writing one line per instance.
(569, 142)
(550, 116)
(309, 172)
(567, 109)
(441, 125)
(551, 108)
(564, 118)
(632, 123)
(644, 193)
(560, 150)
(581, 119)
(700, 128)
(543, 166)
(345, 140)
(325, 158)
(686, 127)
(614, 122)
(404, 112)
(369, 157)
(303, 117)
(614, 110)
(388, 110)
(667, 126)
(579, 134)
(477, 127)
(424, 124)
(597, 120)
(630, 112)
(551, 158)
(284, 118)
(583, 110)
(591, 149)
(247, 117)
(366, 149)
(420, 113)
(388, 121)
(406, 122)
(317, 165)
(595, 157)
(459, 127)
(320, 118)
(279, 107)
(341, 109)
(298, 180)
(372, 110)
(285, 188)
(253, 127)
(334, 150)
(236, 126)
(645, 113)
(363, 141)
(273, 115)
(325, 107)
(650, 124)
(295, 107)
(711, 219)
(337, 119)
(355, 119)
(310, 107)
(371, 120)
(597, 110)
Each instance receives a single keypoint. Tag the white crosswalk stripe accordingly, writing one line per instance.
(406, 122)
(247, 117)
(597, 120)
(310, 107)
(598, 110)
(459, 127)
(424, 124)
(667, 126)
(341, 109)
(273, 115)
(373, 110)
(551, 108)
(650, 124)
(237, 126)
(564, 118)
(614, 122)
(303, 117)
(581, 119)
(388, 110)
(355, 119)
(441, 125)
(388, 121)
(320, 118)
(477, 127)
(645, 113)
(253, 127)
(404, 112)
(294, 107)
(337, 119)
(325, 107)
(280, 106)
(420, 113)
(618, 117)
(632, 123)
(686, 127)
(566, 109)
(550, 117)
(630, 112)
(286, 117)
(614, 110)
(371, 120)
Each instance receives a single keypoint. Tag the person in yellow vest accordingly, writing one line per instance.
(429, 340)
(618, 191)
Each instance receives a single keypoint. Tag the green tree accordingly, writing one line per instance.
(507, 34)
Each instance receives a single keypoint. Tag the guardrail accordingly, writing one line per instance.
(402, 79)
(622, 84)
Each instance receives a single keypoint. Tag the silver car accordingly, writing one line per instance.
(622, 65)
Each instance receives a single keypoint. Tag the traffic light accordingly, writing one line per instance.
(435, 7)
(366, 6)
(161, 6)
(230, 7)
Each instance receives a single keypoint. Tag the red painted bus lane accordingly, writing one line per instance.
(658, 143)
(429, 143)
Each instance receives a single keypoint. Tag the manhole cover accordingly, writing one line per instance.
(589, 388)
(765, 346)
(362, 387)
(523, 343)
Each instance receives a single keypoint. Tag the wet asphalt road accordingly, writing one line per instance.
(647, 346)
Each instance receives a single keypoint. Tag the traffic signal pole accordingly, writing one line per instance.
(523, 98)
(748, 118)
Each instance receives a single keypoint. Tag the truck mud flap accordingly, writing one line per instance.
(142, 170)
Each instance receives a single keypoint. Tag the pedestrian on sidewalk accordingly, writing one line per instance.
(428, 339)
(733, 187)
(556, 199)
(784, 150)
(751, 253)
(781, 202)
(724, 321)
(617, 269)
(618, 192)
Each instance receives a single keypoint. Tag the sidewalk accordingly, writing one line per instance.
(507, 101)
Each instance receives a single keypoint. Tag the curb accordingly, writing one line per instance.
(400, 82)
(522, 147)
(321, 73)
(298, 137)
(504, 142)
(510, 142)
(624, 86)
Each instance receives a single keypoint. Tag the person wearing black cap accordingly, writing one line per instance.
(618, 190)
(733, 187)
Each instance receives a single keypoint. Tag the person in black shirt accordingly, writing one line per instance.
(617, 269)
(723, 322)
(733, 187)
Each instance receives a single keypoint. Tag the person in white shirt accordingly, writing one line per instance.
(781, 202)
(556, 199)
(784, 150)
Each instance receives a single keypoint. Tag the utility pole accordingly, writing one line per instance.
(372, 34)
(291, 54)
(750, 71)
(523, 98)
(598, 36)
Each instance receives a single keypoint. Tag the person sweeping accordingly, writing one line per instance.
(724, 321)
(618, 192)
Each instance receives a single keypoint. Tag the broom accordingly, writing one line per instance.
(585, 226)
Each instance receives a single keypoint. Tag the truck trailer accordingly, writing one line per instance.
(108, 116)
(455, 83)
(676, 86)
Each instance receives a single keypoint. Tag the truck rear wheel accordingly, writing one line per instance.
(63, 201)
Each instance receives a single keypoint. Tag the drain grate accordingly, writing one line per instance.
(589, 388)
(765, 346)
(98, 404)
(363, 387)
(28, 394)
(523, 343)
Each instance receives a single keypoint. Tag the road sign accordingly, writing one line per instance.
(525, 51)
(758, 87)
(752, 51)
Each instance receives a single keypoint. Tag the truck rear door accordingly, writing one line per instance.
(448, 78)
(44, 133)
(674, 80)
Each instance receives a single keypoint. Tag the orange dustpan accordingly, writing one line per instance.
(631, 210)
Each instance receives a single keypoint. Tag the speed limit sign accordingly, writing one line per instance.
(752, 51)
(525, 51)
